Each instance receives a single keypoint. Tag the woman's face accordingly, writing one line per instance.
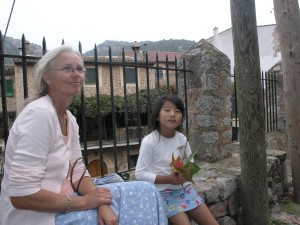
(65, 75)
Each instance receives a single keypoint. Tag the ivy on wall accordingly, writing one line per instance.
(105, 103)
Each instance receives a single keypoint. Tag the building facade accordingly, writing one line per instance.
(269, 50)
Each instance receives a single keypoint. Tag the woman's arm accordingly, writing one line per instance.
(46, 201)
(105, 213)
(106, 216)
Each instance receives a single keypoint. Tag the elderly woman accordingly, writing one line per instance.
(43, 146)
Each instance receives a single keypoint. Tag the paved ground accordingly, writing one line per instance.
(278, 213)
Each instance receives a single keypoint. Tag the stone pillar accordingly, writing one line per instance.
(208, 100)
(278, 140)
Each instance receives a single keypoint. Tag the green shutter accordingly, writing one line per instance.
(90, 76)
(130, 75)
(9, 88)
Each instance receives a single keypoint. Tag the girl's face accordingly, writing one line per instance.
(169, 119)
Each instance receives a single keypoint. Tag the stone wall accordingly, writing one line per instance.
(219, 184)
(277, 140)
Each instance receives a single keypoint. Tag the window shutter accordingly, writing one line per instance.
(9, 88)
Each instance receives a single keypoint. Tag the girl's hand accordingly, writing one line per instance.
(98, 197)
(174, 179)
(106, 216)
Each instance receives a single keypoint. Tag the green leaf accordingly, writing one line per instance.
(194, 168)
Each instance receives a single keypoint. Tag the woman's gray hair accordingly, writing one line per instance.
(41, 67)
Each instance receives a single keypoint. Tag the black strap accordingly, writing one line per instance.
(71, 175)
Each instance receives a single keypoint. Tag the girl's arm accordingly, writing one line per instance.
(143, 166)
(169, 179)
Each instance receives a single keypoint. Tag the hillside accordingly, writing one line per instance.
(160, 46)
(11, 46)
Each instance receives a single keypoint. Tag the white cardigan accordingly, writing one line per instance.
(36, 158)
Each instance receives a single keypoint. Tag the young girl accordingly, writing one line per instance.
(155, 156)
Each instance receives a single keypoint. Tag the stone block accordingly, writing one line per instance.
(227, 220)
(233, 204)
(227, 186)
(219, 209)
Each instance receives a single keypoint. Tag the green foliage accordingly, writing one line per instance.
(290, 207)
(194, 168)
(119, 103)
(278, 222)
(91, 106)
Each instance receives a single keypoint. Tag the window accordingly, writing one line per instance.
(90, 77)
(130, 75)
(160, 73)
(9, 86)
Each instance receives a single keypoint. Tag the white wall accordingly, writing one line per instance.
(267, 41)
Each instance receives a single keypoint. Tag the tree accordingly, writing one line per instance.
(287, 18)
(255, 207)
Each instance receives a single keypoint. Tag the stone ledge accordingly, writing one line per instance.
(219, 184)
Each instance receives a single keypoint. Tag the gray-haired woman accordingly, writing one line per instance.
(43, 146)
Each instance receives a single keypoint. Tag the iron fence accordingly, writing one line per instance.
(105, 139)
(269, 97)
(113, 133)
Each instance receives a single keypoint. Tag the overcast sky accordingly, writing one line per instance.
(94, 21)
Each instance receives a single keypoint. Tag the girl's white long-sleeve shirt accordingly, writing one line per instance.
(36, 158)
(156, 154)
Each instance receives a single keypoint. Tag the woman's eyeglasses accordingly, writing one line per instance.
(70, 69)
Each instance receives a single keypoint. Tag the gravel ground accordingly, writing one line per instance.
(276, 213)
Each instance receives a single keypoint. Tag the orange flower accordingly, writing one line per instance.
(178, 164)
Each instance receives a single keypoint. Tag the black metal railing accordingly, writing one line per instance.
(113, 142)
(269, 95)
(132, 135)
(108, 136)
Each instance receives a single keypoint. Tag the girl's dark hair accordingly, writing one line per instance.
(177, 101)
